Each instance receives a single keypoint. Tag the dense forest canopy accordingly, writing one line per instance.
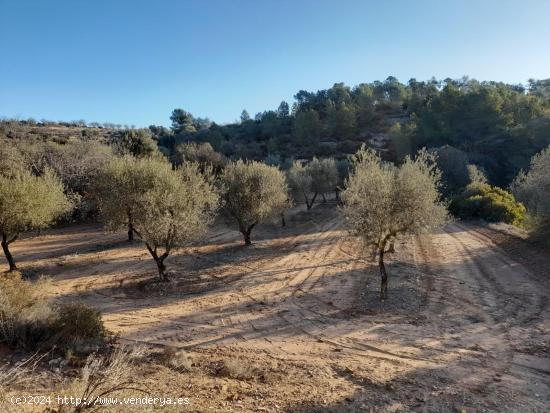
(496, 126)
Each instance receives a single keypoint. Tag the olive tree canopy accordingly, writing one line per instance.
(324, 175)
(120, 186)
(168, 208)
(300, 183)
(316, 178)
(28, 202)
(382, 201)
(253, 192)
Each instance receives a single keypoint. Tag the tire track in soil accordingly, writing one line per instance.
(510, 312)
(296, 281)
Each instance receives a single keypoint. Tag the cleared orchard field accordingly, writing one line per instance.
(297, 314)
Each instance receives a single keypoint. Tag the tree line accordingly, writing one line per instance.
(168, 202)
(498, 126)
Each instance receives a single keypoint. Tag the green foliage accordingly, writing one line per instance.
(300, 183)
(203, 154)
(307, 127)
(316, 178)
(120, 187)
(453, 163)
(253, 192)
(29, 202)
(166, 208)
(324, 175)
(182, 121)
(11, 159)
(78, 327)
(341, 121)
(533, 189)
(245, 117)
(135, 142)
(498, 126)
(382, 201)
(25, 312)
(283, 110)
(29, 321)
(492, 204)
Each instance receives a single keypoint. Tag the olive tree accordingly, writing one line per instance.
(300, 183)
(119, 187)
(324, 175)
(175, 211)
(28, 202)
(165, 208)
(383, 201)
(316, 178)
(533, 189)
(253, 192)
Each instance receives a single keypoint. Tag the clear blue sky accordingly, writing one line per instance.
(132, 62)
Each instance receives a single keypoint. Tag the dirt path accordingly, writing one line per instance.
(466, 327)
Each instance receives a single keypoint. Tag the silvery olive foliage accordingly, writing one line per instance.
(166, 208)
(383, 201)
(28, 202)
(252, 193)
(316, 178)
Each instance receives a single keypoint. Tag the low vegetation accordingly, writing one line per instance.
(492, 204)
(533, 189)
(29, 320)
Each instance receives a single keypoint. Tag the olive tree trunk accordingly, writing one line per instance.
(5, 247)
(159, 260)
(246, 231)
(130, 228)
(383, 273)
(309, 204)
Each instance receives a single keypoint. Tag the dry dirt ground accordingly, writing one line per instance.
(293, 323)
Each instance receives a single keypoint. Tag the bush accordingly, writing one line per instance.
(28, 320)
(78, 327)
(25, 312)
(493, 204)
(533, 188)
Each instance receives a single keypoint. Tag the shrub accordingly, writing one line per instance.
(201, 153)
(106, 376)
(28, 319)
(493, 204)
(78, 327)
(533, 188)
(25, 313)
